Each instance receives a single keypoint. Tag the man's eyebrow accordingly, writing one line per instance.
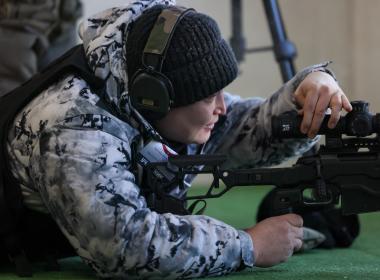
(214, 94)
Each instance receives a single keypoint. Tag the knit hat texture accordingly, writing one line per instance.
(198, 61)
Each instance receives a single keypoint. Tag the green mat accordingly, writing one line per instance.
(238, 208)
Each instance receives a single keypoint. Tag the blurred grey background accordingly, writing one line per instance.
(344, 31)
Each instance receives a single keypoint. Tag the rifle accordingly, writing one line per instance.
(345, 172)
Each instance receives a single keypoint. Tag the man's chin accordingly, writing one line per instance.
(201, 139)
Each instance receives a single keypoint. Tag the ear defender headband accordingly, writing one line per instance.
(151, 92)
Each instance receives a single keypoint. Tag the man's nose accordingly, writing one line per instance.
(220, 107)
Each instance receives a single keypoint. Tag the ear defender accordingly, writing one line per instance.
(151, 92)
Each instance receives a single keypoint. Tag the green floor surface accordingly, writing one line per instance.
(238, 208)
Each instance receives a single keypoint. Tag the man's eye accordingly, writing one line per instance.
(210, 99)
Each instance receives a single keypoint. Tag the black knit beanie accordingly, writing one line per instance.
(198, 61)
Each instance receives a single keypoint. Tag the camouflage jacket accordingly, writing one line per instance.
(74, 159)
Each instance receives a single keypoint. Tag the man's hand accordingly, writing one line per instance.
(275, 239)
(317, 92)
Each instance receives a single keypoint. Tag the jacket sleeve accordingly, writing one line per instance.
(244, 134)
(84, 180)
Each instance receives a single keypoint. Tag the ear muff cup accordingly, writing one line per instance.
(151, 93)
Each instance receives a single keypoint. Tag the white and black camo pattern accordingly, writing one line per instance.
(74, 160)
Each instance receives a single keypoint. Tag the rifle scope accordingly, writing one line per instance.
(359, 122)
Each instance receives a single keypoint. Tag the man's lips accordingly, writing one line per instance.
(210, 126)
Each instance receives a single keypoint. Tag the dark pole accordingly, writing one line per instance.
(237, 40)
(284, 50)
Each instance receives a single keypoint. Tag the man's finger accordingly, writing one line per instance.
(294, 220)
(320, 111)
(346, 103)
(298, 232)
(297, 244)
(336, 108)
(308, 109)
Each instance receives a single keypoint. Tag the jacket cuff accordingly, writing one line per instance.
(322, 67)
(247, 250)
